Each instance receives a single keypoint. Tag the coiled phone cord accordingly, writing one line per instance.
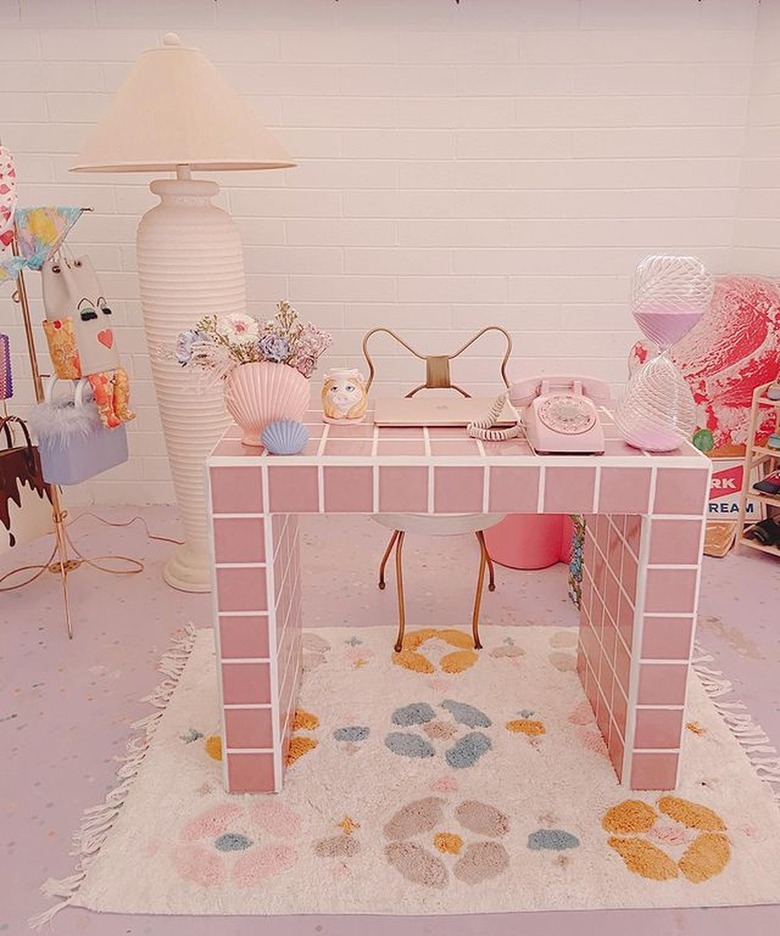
(483, 428)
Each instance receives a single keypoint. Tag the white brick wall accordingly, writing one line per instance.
(758, 223)
(459, 164)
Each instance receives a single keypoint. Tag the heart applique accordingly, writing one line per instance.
(106, 337)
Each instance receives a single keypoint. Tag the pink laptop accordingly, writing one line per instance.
(435, 411)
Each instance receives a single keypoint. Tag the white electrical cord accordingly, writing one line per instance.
(483, 428)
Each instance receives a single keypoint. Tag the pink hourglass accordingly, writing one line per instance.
(668, 297)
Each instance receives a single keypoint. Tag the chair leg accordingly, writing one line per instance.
(483, 561)
(386, 556)
(491, 571)
(399, 584)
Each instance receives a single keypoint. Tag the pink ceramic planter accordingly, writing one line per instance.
(262, 392)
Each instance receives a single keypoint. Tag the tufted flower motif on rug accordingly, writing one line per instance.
(439, 781)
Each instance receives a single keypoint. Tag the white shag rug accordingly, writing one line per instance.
(439, 782)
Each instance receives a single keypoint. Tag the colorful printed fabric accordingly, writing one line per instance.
(63, 351)
(39, 231)
(7, 196)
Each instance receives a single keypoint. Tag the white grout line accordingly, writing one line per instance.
(540, 495)
(323, 440)
(596, 491)
(485, 489)
(238, 706)
(245, 660)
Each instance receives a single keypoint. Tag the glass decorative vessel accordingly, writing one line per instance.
(669, 294)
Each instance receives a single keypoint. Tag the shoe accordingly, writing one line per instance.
(773, 392)
(769, 485)
(767, 532)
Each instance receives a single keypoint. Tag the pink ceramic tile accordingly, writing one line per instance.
(239, 539)
(608, 638)
(670, 591)
(599, 572)
(629, 571)
(633, 532)
(612, 597)
(662, 683)
(666, 638)
(248, 728)
(349, 490)
(622, 668)
(458, 490)
(616, 446)
(361, 448)
(236, 490)
(569, 490)
(401, 447)
(241, 590)
(624, 490)
(401, 432)
(232, 448)
(658, 728)
(514, 490)
(680, 491)
(403, 489)
(602, 714)
(653, 771)
(243, 636)
(250, 773)
(444, 432)
(614, 549)
(363, 430)
(615, 750)
(293, 489)
(625, 621)
(512, 447)
(454, 447)
(246, 683)
(675, 541)
(619, 708)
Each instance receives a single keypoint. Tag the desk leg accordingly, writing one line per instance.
(639, 598)
(258, 619)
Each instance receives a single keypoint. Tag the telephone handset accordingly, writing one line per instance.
(560, 414)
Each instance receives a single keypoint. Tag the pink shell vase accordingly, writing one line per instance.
(261, 392)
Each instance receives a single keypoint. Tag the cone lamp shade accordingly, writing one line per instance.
(175, 113)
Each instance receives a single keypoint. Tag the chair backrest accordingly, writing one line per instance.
(437, 366)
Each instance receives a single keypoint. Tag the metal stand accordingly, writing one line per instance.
(63, 564)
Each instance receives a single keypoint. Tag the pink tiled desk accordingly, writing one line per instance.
(646, 516)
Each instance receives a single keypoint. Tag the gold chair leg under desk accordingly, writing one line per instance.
(399, 584)
(386, 556)
(484, 559)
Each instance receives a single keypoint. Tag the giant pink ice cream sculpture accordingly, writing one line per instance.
(734, 348)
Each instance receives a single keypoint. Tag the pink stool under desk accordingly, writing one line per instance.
(641, 568)
(530, 541)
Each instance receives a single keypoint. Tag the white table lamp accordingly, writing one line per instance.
(175, 113)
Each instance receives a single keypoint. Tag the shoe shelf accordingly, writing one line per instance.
(759, 456)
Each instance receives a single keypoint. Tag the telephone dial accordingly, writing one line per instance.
(560, 415)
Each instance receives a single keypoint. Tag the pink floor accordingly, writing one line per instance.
(66, 707)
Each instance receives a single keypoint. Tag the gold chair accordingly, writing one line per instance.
(437, 376)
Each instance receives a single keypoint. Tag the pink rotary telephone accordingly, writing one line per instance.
(560, 414)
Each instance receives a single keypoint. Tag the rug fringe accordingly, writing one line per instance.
(97, 821)
(751, 736)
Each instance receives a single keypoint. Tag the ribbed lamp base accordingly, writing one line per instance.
(190, 264)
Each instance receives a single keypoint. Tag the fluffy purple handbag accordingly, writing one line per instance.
(74, 444)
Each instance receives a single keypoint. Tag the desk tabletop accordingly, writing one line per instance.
(367, 444)
(365, 468)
